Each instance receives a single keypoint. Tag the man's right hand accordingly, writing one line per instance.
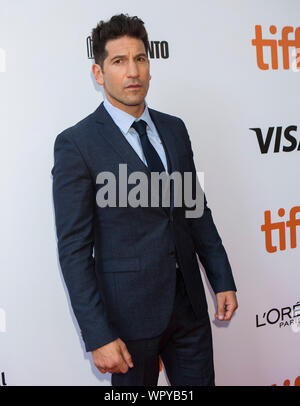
(112, 357)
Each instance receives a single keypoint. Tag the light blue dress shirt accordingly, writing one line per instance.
(124, 121)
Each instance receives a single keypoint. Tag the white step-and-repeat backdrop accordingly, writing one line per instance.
(229, 70)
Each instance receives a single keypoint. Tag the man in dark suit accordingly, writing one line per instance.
(131, 270)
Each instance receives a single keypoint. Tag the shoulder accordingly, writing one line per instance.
(165, 116)
(78, 131)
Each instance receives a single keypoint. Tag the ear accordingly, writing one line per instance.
(98, 75)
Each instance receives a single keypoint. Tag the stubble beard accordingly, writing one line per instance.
(125, 102)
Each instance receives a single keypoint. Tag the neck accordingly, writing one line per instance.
(135, 110)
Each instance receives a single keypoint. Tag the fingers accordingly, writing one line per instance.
(225, 313)
(220, 306)
(114, 366)
(220, 310)
(117, 360)
(228, 312)
(126, 355)
(226, 305)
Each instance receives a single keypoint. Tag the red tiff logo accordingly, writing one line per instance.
(285, 43)
(287, 382)
(268, 227)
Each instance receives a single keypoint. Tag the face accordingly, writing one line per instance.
(126, 74)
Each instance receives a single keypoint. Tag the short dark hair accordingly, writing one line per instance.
(118, 26)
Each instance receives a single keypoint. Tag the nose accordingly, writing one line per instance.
(132, 69)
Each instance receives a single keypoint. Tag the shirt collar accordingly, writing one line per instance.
(124, 120)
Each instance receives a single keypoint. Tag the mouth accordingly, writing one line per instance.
(133, 87)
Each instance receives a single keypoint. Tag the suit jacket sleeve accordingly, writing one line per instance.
(74, 202)
(207, 241)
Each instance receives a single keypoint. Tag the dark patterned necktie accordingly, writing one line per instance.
(153, 160)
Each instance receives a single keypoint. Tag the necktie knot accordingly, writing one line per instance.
(140, 127)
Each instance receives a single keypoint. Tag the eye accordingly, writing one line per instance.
(117, 61)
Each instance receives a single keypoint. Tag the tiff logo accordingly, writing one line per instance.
(2, 321)
(270, 226)
(272, 44)
(2, 60)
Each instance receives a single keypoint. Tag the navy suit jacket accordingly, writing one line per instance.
(118, 263)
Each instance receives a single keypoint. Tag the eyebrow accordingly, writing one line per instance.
(124, 56)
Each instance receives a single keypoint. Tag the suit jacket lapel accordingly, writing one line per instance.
(113, 135)
(168, 139)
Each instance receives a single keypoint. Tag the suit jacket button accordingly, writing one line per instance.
(172, 253)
